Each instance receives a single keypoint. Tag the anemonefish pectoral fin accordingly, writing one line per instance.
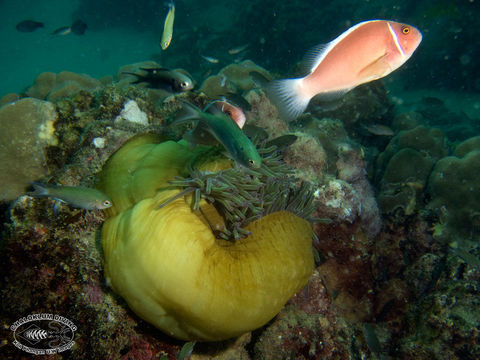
(287, 97)
(376, 69)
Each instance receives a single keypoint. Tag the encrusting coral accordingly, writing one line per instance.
(164, 259)
(27, 129)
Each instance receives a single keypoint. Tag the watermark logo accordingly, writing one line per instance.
(42, 334)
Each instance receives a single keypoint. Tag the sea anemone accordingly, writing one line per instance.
(164, 246)
(242, 195)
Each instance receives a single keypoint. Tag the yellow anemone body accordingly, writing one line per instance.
(171, 269)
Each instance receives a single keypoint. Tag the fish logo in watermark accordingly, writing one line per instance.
(41, 334)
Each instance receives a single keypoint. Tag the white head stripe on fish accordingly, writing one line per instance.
(395, 39)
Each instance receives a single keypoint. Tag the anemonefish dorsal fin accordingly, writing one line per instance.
(313, 57)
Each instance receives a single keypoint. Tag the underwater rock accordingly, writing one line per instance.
(408, 165)
(361, 105)
(307, 155)
(9, 98)
(453, 186)
(264, 114)
(444, 322)
(404, 180)
(337, 278)
(332, 136)
(239, 74)
(27, 129)
(420, 276)
(233, 78)
(42, 85)
(471, 144)
(338, 202)
(407, 121)
(308, 327)
(403, 168)
(420, 138)
(51, 86)
(346, 268)
(168, 265)
(351, 167)
(131, 112)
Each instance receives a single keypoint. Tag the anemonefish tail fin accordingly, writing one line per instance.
(286, 96)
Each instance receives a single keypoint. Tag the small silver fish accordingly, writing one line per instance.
(238, 49)
(76, 196)
(168, 26)
(210, 59)
(186, 350)
(378, 129)
(64, 30)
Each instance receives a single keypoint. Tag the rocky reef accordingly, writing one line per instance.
(377, 281)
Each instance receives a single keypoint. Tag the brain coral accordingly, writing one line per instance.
(27, 129)
(453, 187)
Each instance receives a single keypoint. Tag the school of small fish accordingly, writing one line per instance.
(365, 52)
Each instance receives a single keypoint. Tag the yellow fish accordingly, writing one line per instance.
(168, 26)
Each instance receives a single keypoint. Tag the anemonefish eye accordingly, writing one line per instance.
(405, 30)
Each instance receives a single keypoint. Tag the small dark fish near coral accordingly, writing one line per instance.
(161, 78)
(78, 27)
(29, 25)
(76, 196)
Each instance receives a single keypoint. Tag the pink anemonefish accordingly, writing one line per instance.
(235, 112)
(367, 51)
